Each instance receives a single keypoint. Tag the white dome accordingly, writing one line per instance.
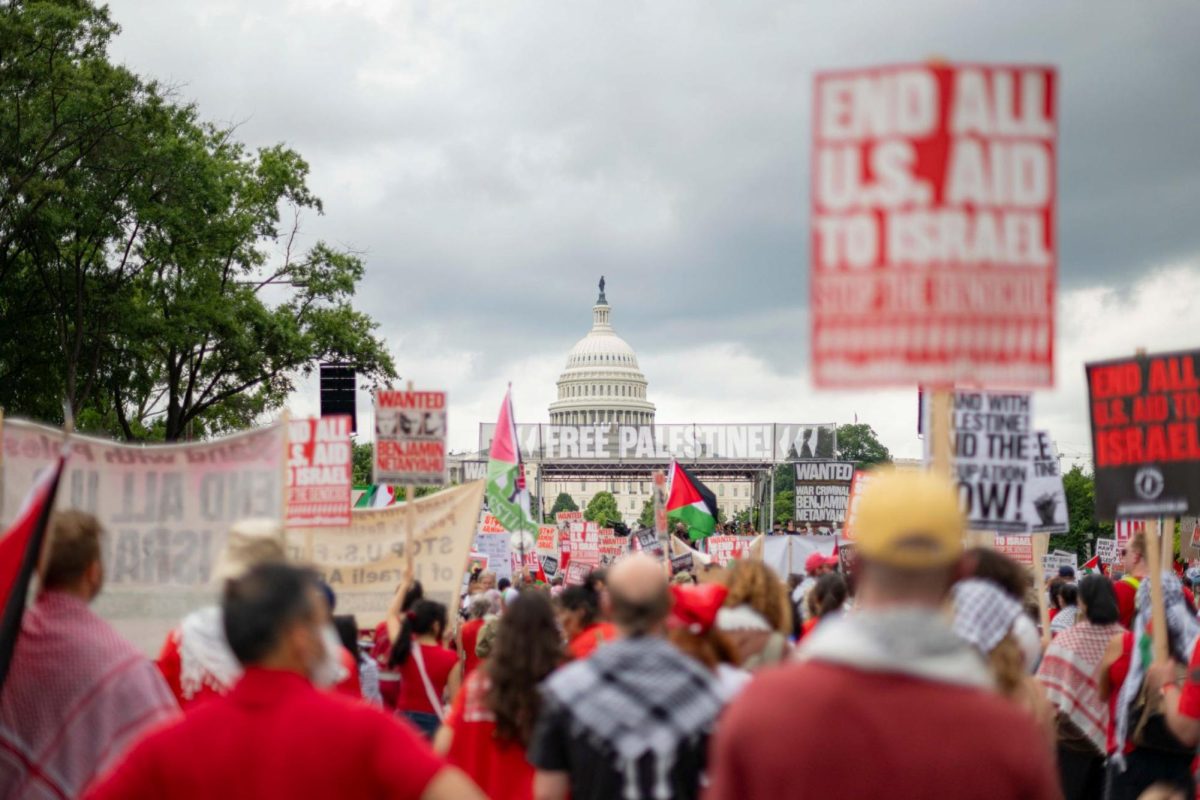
(601, 381)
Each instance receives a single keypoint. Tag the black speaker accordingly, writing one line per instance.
(338, 392)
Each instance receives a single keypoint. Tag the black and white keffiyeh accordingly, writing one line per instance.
(638, 696)
(983, 614)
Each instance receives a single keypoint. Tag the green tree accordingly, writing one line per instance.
(602, 509)
(563, 502)
(785, 505)
(362, 463)
(646, 518)
(859, 443)
(138, 269)
(1080, 492)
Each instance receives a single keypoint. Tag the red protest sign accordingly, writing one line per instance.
(319, 472)
(1146, 435)
(612, 546)
(585, 545)
(933, 246)
(410, 438)
(724, 549)
(1017, 547)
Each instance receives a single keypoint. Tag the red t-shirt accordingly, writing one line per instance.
(497, 766)
(584, 644)
(275, 736)
(1116, 678)
(349, 686)
(854, 733)
(1126, 593)
(1189, 696)
(438, 664)
(470, 637)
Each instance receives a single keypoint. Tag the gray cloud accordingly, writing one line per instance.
(494, 159)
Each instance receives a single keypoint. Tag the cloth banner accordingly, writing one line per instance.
(364, 562)
(166, 510)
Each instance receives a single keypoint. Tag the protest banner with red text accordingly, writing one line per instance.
(410, 438)
(319, 472)
(612, 546)
(724, 549)
(933, 247)
(1146, 435)
(1017, 547)
(585, 545)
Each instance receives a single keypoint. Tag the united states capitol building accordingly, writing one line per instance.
(603, 384)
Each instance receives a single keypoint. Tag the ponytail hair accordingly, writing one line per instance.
(420, 620)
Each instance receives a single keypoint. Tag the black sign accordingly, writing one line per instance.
(681, 563)
(1146, 435)
(550, 566)
(647, 540)
(338, 392)
(822, 492)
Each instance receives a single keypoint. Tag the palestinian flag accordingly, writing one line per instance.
(691, 502)
(507, 495)
(1091, 566)
(20, 547)
(376, 496)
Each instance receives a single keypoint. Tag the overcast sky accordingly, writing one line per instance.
(493, 159)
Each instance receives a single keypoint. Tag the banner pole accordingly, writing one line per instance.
(659, 488)
(410, 520)
(1041, 546)
(940, 429)
(1158, 614)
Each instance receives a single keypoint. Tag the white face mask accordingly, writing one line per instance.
(329, 670)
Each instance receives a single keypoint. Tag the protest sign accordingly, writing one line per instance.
(647, 541)
(612, 546)
(1045, 499)
(1196, 533)
(724, 549)
(549, 566)
(993, 459)
(577, 573)
(1146, 435)
(857, 484)
(410, 438)
(319, 472)
(364, 562)
(823, 491)
(497, 547)
(1108, 551)
(166, 510)
(1052, 561)
(585, 545)
(1125, 529)
(933, 243)
(682, 562)
(845, 554)
(477, 561)
(1017, 547)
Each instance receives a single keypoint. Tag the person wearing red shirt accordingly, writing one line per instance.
(579, 616)
(425, 666)
(275, 735)
(1134, 562)
(895, 672)
(491, 721)
(468, 633)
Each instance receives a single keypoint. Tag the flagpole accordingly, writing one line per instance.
(410, 521)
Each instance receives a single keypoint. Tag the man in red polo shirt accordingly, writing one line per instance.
(916, 713)
(275, 735)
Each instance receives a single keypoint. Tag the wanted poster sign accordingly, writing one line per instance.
(319, 472)
(1146, 435)
(823, 492)
(724, 549)
(612, 546)
(933, 243)
(410, 438)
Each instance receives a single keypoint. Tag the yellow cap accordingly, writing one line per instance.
(909, 519)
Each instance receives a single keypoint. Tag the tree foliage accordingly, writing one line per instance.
(152, 271)
(602, 509)
(1080, 492)
(859, 443)
(564, 502)
(646, 518)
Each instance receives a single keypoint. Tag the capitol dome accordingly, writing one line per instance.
(602, 382)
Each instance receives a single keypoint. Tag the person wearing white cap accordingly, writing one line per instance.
(196, 659)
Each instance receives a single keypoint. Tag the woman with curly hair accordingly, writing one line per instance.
(492, 718)
(757, 616)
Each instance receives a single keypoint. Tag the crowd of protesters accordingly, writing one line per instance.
(921, 673)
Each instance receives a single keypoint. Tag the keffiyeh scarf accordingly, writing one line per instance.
(1068, 674)
(204, 655)
(983, 614)
(638, 696)
(1182, 632)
